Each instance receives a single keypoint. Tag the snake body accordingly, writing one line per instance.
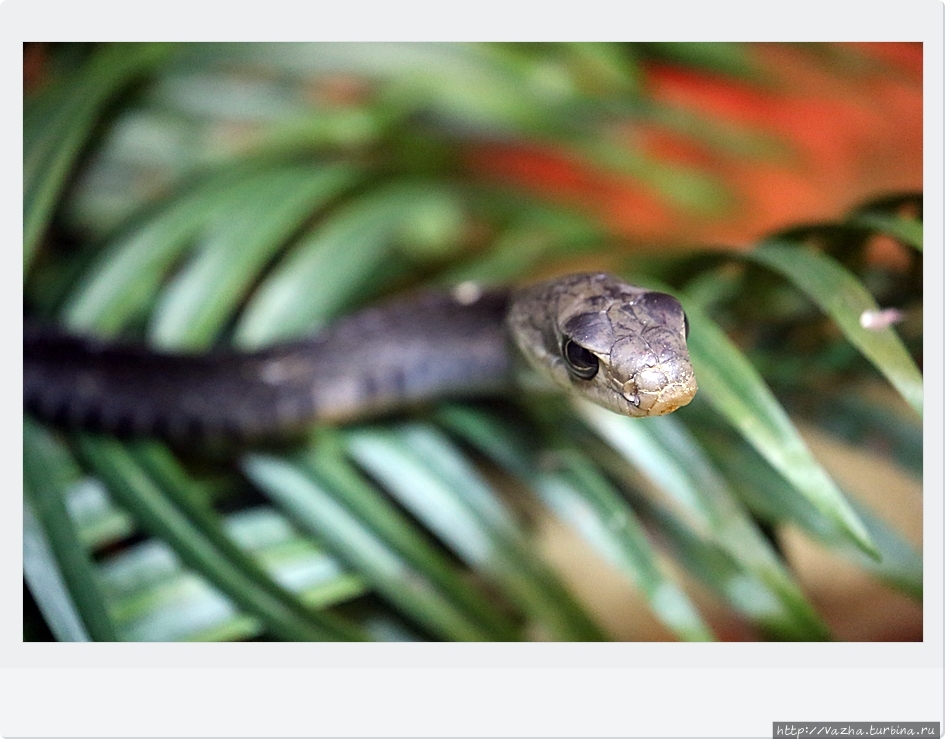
(622, 346)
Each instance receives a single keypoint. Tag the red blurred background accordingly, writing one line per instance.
(842, 123)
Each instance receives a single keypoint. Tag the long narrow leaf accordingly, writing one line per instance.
(45, 580)
(196, 538)
(772, 497)
(46, 469)
(332, 263)
(314, 507)
(98, 520)
(55, 132)
(666, 453)
(906, 230)
(861, 421)
(474, 536)
(714, 566)
(158, 599)
(735, 389)
(123, 282)
(582, 498)
(327, 463)
(845, 300)
(245, 235)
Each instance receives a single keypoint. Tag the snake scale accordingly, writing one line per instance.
(621, 346)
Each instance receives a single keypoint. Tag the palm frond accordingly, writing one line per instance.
(248, 193)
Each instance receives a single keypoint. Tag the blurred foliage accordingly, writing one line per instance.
(194, 194)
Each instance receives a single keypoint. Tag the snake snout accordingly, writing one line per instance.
(658, 390)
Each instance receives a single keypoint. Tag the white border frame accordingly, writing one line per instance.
(484, 689)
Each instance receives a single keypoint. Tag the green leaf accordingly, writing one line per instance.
(99, 522)
(45, 581)
(735, 389)
(906, 230)
(843, 298)
(901, 563)
(426, 475)
(861, 420)
(57, 125)
(727, 58)
(574, 488)
(314, 507)
(664, 451)
(774, 499)
(158, 599)
(724, 576)
(583, 498)
(338, 257)
(125, 278)
(538, 235)
(325, 460)
(170, 512)
(245, 234)
(47, 470)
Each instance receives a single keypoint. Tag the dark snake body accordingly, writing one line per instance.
(410, 350)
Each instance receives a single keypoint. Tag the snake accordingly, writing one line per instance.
(593, 335)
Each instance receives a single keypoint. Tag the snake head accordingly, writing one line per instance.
(618, 345)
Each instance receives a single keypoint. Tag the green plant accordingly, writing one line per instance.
(245, 193)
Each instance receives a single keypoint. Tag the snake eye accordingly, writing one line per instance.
(581, 362)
